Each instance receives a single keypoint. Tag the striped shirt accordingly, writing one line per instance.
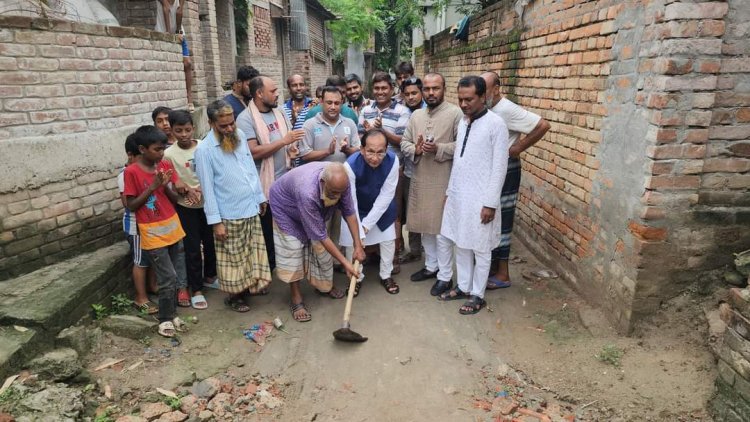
(301, 117)
(395, 118)
(230, 181)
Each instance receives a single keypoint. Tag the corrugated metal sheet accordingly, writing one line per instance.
(317, 35)
(299, 35)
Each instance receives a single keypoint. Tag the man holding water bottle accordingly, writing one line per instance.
(429, 141)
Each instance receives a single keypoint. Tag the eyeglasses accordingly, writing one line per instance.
(413, 81)
(375, 154)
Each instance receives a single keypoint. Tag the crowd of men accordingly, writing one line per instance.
(310, 186)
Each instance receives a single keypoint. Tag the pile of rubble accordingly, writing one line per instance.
(226, 399)
(732, 399)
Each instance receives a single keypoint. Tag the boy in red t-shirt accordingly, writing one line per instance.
(149, 189)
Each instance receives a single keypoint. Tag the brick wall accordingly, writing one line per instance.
(211, 53)
(142, 14)
(70, 94)
(638, 187)
(225, 33)
(264, 39)
(261, 50)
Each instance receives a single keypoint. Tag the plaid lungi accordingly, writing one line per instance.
(296, 260)
(508, 198)
(241, 260)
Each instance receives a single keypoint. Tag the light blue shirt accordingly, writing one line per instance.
(230, 182)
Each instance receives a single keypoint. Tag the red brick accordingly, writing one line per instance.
(709, 66)
(653, 213)
(647, 233)
(696, 136)
(671, 182)
(661, 152)
(743, 115)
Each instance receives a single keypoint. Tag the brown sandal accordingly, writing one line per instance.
(390, 286)
(296, 307)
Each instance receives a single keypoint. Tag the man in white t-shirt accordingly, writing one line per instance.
(519, 121)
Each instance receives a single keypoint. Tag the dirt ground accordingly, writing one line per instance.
(424, 361)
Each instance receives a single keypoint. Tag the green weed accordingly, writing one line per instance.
(174, 403)
(100, 311)
(610, 354)
(121, 304)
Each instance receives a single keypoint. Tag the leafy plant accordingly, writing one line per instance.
(242, 16)
(121, 304)
(174, 403)
(11, 395)
(610, 354)
(105, 416)
(100, 311)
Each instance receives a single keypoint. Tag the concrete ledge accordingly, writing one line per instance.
(57, 296)
(16, 348)
(53, 298)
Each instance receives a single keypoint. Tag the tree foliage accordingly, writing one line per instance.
(389, 22)
(358, 20)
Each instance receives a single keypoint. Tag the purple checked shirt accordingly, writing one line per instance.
(296, 205)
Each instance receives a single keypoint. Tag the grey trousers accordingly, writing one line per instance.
(169, 264)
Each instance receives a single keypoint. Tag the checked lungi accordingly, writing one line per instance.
(241, 260)
(508, 198)
(296, 260)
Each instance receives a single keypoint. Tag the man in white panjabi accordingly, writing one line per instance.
(470, 219)
(373, 177)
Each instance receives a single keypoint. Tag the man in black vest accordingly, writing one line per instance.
(373, 177)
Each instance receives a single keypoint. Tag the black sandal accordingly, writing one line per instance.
(294, 307)
(237, 303)
(452, 294)
(472, 306)
(390, 286)
(357, 286)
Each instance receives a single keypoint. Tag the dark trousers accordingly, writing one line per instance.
(266, 223)
(169, 264)
(197, 231)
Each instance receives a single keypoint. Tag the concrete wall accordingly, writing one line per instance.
(70, 94)
(640, 187)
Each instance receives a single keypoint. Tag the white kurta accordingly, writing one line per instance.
(374, 234)
(476, 181)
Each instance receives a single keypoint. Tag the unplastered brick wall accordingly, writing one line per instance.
(70, 94)
(261, 49)
(225, 33)
(263, 30)
(637, 188)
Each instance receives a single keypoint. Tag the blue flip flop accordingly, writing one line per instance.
(494, 283)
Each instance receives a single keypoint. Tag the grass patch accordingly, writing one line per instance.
(610, 354)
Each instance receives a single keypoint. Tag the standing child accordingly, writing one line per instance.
(190, 211)
(160, 117)
(150, 195)
(141, 263)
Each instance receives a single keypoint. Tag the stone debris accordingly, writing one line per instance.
(175, 416)
(129, 326)
(154, 410)
(130, 418)
(57, 365)
(56, 402)
(732, 399)
(207, 388)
